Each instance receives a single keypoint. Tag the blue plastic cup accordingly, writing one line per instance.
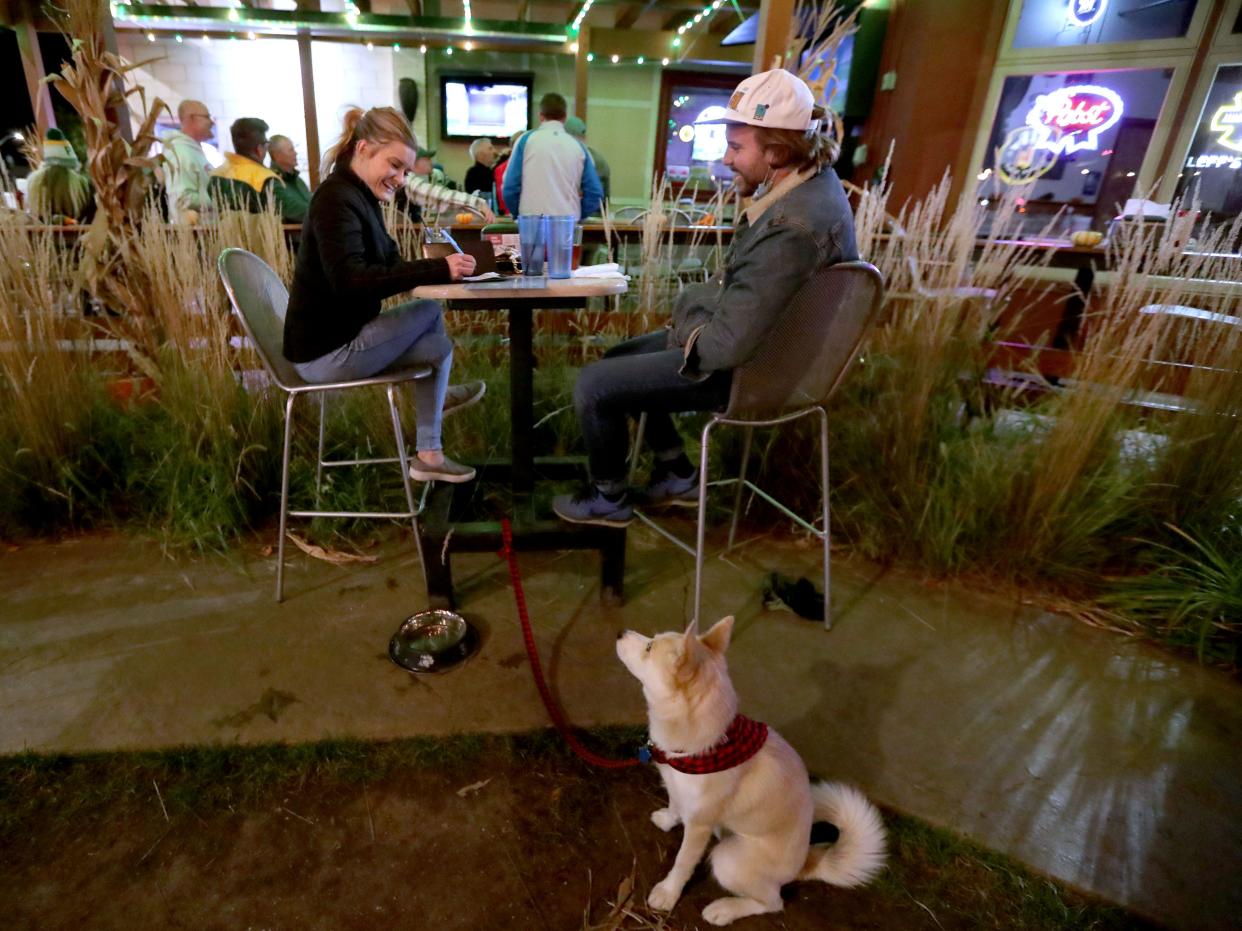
(560, 246)
(533, 240)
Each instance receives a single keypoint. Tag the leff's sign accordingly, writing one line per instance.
(1074, 117)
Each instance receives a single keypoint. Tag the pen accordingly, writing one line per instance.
(452, 242)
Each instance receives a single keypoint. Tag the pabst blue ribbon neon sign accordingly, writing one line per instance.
(1085, 12)
(1073, 118)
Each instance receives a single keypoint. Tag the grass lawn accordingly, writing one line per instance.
(470, 832)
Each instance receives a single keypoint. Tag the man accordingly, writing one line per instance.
(502, 165)
(185, 164)
(550, 171)
(432, 197)
(292, 196)
(576, 128)
(479, 175)
(243, 182)
(799, 221)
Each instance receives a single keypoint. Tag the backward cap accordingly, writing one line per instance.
(777, 99)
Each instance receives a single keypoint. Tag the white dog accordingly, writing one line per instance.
(726, 774)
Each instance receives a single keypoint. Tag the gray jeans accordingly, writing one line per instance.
(410, 334)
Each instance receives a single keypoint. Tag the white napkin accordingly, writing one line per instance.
(607, 270)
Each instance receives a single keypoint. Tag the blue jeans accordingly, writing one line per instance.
(411, 334)
(638, 376)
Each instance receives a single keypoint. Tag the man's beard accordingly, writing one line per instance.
(744, 187)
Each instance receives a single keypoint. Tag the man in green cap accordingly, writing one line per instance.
(577, 128)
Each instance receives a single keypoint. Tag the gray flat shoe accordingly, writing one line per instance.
(447, 471)
(459, 397)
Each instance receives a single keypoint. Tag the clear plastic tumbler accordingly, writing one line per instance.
(533, 238)
(560, 245)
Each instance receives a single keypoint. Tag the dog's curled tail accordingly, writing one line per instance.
(859, 852)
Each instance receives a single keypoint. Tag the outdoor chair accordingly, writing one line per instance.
(789, 378)
(260, 299)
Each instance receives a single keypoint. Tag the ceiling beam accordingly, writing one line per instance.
(629, 16)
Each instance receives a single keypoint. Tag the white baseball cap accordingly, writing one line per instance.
(777, 99)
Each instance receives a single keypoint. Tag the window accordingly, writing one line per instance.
(1212, 168)
(691, 155)
(1072, 140)
(1057, 23)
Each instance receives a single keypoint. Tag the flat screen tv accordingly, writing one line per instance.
(474, 105)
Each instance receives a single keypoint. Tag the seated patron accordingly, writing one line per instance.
(479, 175)
(434, 198)
(292, 196)
(781, 153)
(243, 182)
(347, 264)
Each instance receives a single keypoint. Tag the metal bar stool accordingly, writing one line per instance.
(260, 299)
(791, 376)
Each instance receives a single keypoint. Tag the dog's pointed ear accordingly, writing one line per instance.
(717, 638)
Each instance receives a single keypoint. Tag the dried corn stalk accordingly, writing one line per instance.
(94, 84)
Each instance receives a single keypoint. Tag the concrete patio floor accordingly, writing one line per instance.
(1096, 759)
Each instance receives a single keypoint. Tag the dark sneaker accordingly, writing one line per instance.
(446, 471)
(459, 397)
(591, 507)
(672, 490)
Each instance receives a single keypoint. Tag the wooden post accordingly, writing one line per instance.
(580, 73)
(32, 65)
(308, 106)
(772, 38)
(120, 114)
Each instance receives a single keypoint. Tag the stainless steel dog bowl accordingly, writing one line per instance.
(432, 641)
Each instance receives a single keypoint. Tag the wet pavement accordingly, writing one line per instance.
(1099, 760)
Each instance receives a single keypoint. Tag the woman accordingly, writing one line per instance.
(347, 264)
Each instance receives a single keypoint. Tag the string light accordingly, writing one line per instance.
(370, 47)
(641, 59)
(468, 46)
(586, 8)
(664, 62)
(706, 13)
(615, 59)
(178, 38)
(233, 17)
(422, 49)
(448, 50)
(396, 46)
(590, 56)
(150, 36)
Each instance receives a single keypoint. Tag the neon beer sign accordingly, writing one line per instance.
(1074, 117)
(1085, 12)
(1228, 122)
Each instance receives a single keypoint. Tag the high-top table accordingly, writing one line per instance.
(442, 530)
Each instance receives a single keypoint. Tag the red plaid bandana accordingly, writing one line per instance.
(742, 740)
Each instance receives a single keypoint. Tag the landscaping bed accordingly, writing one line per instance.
(469, 832)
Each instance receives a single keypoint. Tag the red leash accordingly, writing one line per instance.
(554, 711)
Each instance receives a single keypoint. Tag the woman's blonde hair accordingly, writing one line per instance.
(816, 149)
(379, 125)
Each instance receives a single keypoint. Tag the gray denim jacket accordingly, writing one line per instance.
(807, 225)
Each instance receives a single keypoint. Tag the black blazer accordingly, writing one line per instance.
(347, 264)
